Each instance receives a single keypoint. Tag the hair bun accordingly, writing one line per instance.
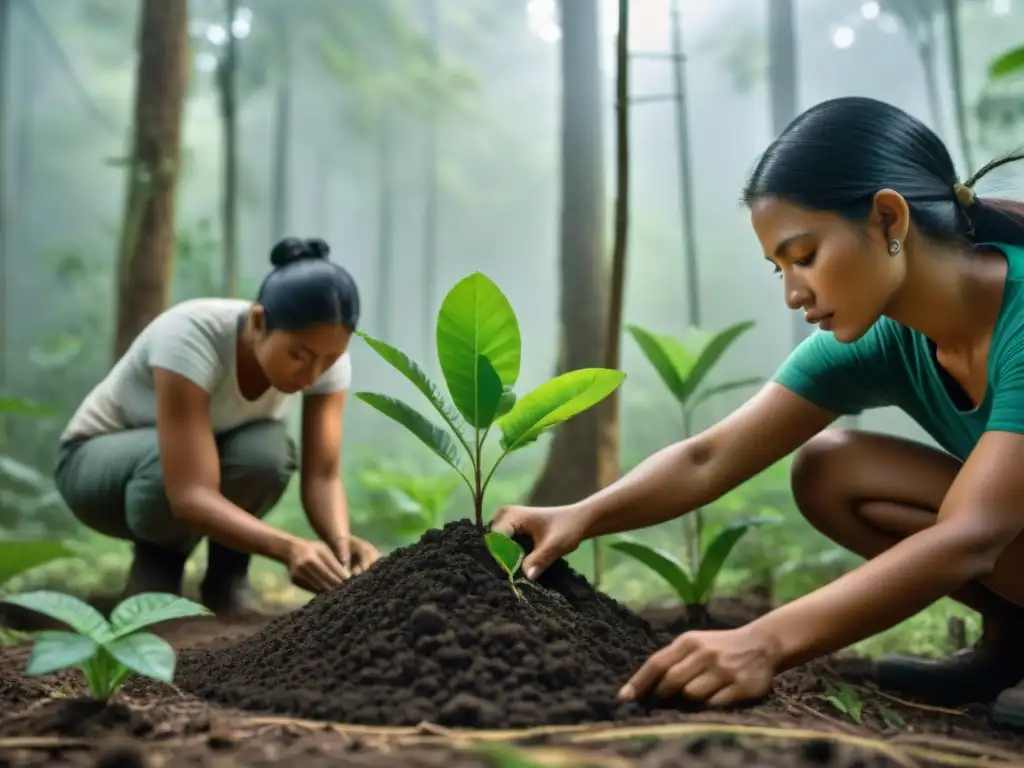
(318, 249)
(293, 249)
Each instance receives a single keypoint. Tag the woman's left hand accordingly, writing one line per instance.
(721, 667)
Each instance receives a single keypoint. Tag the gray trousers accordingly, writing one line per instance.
(114, 483)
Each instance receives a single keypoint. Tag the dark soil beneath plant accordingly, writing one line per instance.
(432, 640)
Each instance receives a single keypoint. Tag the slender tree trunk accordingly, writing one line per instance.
(956, 77)
(783, 90)
(687, 217)
(608, 470)
(573, 468)
(280, 184)
(385, 224)
(146, 251)
(431, 196)
(229, 117)
(5, 235)
(926, 54)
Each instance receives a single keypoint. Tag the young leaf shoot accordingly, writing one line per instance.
(684, 367)
(508, 554)
(692, 591)
(479, 352)
(105, 651)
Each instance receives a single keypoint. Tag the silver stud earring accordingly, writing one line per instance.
(894, 247)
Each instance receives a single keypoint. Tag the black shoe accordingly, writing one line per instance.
(977, 674)
(155, 569)
(225, 589)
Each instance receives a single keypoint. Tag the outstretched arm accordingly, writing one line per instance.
(689, 474)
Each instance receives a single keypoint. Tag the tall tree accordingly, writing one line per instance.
(227, 91)
(579, 456)
(147, 237)
(5, 58)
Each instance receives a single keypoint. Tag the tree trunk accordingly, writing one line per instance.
(5, 78)
(146, 251)
(579, 457)
(432, 194)
(280, 183)
(229, 115)
(385, 223)
(608, 468)
(783, 91)
(956, 77)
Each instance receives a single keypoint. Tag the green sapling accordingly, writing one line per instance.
(479, 351)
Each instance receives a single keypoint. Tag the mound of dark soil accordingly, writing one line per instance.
(434, 632)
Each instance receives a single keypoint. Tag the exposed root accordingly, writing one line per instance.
(968, 748)
(45, 742)
(915, 704)
(901, 756)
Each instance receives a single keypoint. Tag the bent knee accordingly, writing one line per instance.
(817, 471)
(259, 450)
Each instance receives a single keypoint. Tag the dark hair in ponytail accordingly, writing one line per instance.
(305, 288)
(838, 154)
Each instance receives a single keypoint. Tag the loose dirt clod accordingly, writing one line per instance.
(434, 632)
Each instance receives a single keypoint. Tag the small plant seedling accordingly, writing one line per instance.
(683, 367)
(420, 501)
(105, 651)
(846, 699)
(508, 554)
(479, 350)
(693, 591)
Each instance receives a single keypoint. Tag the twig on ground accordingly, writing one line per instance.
(915, 704)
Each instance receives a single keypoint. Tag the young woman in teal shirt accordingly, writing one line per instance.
(918, 284)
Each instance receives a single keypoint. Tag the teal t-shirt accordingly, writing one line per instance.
(892, 365)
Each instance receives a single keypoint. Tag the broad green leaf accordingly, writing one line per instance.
(150, 608)
(405, 366)
(508, 399)
(476, 319)
(720, 389)
(1009, 63)
(663, 564)
(16, 406)
(506, 552)
(711, 354)
(55, 650)
(145, 654)
(556, 401)
(718, 551)
(489, 394)
(667, 356)
(435, 438)
(78, 615)
(22, 476)
(17, 557)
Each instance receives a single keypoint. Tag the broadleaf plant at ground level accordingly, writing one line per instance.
(507, 553)
(17, 557)
(693, 591)
(479, 351)
(106, 651)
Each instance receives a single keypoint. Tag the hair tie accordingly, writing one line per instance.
(964, 195)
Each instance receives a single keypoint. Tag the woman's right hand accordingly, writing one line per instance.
(313, 566)
(555, 532)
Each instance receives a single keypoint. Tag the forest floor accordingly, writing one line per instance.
(430, 659)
